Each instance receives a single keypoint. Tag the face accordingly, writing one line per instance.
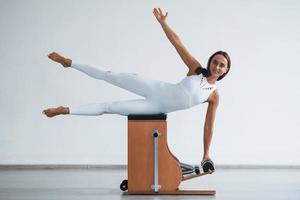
(218, 65)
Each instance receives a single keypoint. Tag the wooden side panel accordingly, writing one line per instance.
(141, 157)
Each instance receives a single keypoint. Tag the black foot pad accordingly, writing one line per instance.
(208, 165)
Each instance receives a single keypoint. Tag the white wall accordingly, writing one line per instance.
(257, 120)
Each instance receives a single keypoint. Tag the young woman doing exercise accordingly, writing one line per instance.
(198, 86)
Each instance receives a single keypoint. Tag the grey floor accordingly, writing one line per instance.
(73, 184)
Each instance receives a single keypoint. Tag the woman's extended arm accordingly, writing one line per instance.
(213, 103)
(187, 58)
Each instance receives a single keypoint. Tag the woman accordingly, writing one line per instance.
(199, 86)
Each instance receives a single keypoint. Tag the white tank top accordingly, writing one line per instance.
(197, 88)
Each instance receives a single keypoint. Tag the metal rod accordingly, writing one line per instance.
(156, 186)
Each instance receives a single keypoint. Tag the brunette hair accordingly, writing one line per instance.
(206, 71)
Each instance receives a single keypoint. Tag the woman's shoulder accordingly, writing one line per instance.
(214, 97)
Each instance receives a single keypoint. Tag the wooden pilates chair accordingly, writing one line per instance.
(152, 168)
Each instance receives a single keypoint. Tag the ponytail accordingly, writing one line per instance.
(203, 71)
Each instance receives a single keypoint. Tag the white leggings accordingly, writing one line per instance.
(160, 97)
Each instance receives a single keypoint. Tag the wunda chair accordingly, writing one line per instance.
(152, 168)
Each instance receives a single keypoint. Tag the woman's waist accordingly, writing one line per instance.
(181, 97)
(175, 96)
(184, 90)
(196, 96)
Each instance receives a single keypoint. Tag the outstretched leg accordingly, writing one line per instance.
(137, 84)
(139, 106)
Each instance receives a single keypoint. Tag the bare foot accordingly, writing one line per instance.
(51, 112)
(60, 59)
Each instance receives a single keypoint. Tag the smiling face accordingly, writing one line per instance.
(218, 66)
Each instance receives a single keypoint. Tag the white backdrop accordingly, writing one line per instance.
(257, 120)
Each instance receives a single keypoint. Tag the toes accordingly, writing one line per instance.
(52, 55)
(47, 112)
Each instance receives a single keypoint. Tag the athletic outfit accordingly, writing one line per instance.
(160, 96)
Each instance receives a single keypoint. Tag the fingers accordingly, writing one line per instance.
(155, 13)
(158, 11)
(162, 12)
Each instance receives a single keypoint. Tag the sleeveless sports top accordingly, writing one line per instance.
(196, 88)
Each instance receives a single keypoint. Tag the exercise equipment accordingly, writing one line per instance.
(152, 168)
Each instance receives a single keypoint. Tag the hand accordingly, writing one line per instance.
(159, 15)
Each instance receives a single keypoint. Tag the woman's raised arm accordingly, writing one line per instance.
(187, 58)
